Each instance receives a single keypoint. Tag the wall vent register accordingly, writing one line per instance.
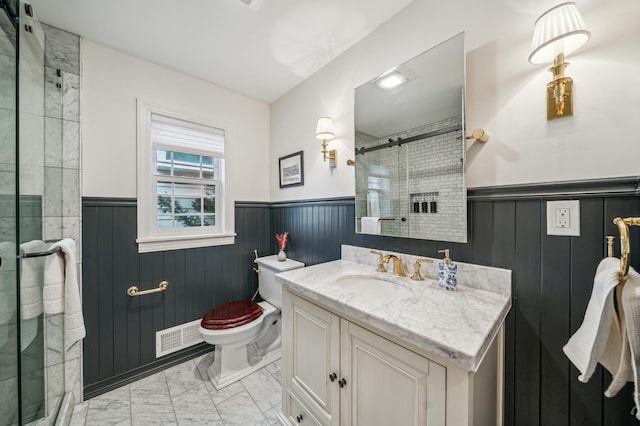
(173, 339)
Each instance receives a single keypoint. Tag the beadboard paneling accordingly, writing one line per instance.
(120, 342)
(552, 281)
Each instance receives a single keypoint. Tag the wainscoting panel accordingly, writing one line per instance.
(120, 342)
(552, 282)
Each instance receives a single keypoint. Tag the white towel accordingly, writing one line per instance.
(32, 279)
(7, 283)
(53, 290)
(631, 304)
(585, 348)
(31, 282)
(62, 268)
(616, 357)
(370, 225)
(373, 203)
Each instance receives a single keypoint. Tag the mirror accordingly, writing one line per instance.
(410, 148)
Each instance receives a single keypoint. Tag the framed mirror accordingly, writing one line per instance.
(410, 148)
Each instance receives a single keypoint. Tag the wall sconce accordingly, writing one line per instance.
(558, 32)
(325, 132)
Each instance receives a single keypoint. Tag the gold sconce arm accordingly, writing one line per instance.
(479, 135)
(332, 154)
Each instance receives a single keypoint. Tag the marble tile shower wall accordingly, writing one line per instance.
(433, 165)
(436, 165)
(62, 194)
(49, 173)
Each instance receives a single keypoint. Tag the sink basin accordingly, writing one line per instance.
(375, 288)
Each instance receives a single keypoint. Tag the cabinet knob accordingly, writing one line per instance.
(342, 383)
(333, 377)
(299, 418)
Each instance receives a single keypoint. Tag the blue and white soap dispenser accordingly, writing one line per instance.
(447, 272)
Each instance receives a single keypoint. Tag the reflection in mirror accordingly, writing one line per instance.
(410, 148)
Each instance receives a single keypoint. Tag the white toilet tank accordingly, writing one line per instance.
(269, 266)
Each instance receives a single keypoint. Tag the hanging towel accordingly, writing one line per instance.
(53, 290)
(61, 285)
(373, 203)
(7, 283)
(370, 225)
(32, 279)
(617, 355)
(31, 283)
(587, 344)
(631, 304)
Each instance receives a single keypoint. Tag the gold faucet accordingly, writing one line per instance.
(416, 274)
(398, 268)
(380, 262)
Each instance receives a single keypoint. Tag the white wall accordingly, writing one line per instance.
(505, 95)
(113, 80)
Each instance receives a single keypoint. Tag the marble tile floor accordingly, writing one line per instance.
(183, 395)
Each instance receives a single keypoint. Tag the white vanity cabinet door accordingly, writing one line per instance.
(387, 384)
(311, 339)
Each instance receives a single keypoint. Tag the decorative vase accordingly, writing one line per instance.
(282, 256)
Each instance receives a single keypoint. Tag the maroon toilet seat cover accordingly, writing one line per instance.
(232, 314)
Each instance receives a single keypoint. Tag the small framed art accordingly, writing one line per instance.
(292, 170)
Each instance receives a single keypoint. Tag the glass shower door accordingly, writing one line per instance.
(9, 351)
(31, 129)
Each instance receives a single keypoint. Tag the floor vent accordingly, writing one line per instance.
(176, 338)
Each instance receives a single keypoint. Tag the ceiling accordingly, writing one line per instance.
(262, 49)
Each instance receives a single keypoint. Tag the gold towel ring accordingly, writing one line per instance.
(625, 251)
(623, 228)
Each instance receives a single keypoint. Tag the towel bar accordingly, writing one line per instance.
(134, 291)
(40, 253)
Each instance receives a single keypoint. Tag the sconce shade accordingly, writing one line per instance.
(558, 30)
(325, 128)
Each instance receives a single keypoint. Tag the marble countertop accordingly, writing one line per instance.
(456, 325)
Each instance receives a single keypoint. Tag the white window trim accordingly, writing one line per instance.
(149, 238)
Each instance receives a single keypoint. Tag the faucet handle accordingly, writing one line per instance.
(416, 274)
(380, 261)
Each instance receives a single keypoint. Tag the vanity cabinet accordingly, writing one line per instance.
(339, 373)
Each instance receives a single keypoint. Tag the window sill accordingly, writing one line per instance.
(151, 244)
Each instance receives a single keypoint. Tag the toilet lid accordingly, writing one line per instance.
(232, 314)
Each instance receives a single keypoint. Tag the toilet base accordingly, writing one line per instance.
(231, 365)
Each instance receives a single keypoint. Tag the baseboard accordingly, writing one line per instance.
(94, 389)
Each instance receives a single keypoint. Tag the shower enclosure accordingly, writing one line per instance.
(34, 364)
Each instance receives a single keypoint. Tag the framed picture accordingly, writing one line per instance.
(292, 170)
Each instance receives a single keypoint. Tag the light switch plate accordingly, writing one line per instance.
(563, 218)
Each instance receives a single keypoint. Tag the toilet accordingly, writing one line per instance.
(246, 334)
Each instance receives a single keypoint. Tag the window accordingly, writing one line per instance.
(180, 182)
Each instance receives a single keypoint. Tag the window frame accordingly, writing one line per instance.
(150, 238)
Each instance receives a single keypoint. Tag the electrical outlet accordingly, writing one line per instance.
(563, 218)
